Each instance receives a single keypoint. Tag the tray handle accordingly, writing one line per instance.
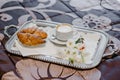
(111, 50)
(6, 29)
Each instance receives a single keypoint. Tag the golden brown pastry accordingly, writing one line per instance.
(31, 36)
(40, 33)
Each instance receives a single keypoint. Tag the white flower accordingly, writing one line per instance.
(70, 43)
(74, 49)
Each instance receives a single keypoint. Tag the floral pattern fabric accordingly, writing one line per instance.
(96, 14)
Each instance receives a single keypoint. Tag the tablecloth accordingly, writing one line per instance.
(96, 14)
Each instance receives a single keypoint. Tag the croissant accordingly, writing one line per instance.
(32, 36)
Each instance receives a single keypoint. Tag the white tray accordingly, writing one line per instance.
(97, 55)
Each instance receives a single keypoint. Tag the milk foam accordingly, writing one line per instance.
(64, 29)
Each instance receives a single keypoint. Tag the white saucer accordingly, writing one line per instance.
(53, 39)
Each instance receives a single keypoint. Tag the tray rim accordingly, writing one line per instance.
(61, 61)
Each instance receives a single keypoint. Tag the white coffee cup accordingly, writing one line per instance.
(64, 32)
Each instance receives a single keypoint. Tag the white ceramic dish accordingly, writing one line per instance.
(53, 39)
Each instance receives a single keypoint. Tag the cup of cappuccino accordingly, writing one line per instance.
(64, 31)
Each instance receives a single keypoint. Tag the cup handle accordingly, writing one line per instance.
(8, 27)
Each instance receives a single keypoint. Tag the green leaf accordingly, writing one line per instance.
(71, 60)
(74, 52)
(79, 40)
